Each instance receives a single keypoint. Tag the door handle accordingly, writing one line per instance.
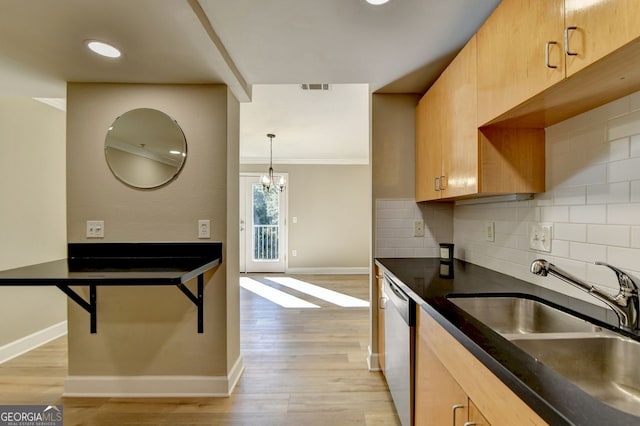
(453, 412)
(546, 55)
(566, 41)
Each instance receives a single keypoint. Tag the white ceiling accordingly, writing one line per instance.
(398, 47)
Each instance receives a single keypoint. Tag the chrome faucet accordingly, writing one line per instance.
(625, 304)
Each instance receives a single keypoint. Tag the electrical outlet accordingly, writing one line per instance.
(490, 234)
(95, 229)
(540, 235)
(204, 228)
(418, 228)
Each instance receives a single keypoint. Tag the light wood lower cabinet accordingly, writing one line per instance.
(381, 308)
(449, 376)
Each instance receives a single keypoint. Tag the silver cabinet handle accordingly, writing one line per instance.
(443, 183)
(566, 41)
(436, 184)
(453, 411)
(470, 424)
(546, 54)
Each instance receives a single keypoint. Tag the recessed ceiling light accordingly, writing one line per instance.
(103, 49)
(377, 2)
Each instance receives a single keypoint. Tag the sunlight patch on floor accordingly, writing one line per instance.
(276, 296)
(327, 295)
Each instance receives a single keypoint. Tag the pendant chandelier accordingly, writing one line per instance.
(269, 180)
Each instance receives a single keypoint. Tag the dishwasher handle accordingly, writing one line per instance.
(399, 300)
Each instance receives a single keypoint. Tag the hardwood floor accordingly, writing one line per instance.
(302, 367)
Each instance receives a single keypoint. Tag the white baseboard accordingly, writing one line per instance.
(373, 361)
(330, 271)
(235, 374)
(153, 386)
(32, 341)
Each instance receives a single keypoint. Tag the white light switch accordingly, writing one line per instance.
(95, 229)
(418, 228)
(294, 253)
(204, 228)
(540, 236)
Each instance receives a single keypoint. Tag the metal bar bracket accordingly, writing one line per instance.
(90, 306)
(196, 299)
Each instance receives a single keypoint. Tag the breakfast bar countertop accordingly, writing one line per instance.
(554, 398)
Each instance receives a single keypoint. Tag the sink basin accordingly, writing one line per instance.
(604, 366)
(515, 315)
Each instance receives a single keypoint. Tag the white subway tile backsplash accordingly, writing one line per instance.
(626, 125)
(634, 147)
(554, 214)
(608, 193)
(591, 175)
(635, 236)
(625, 170)
(635, 191)
(619, 149)
(626, 258)
(395, 228)
(588, 214)
(623, 214)
(570, 231)
(587, 252)
(612, 235)
(569, 196)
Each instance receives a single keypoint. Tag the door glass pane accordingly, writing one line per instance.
(266, 223)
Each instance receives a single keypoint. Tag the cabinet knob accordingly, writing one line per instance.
(567, 50)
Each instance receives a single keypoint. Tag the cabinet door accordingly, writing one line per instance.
(381, 308)
(475, 416)
(600, 28)
(458, 123)
(511, 54)
(439, 400)
(428, 145)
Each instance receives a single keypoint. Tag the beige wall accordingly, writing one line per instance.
(393, 167)
(331, 204)
(152, 330)
(393, 150)
(32, 212)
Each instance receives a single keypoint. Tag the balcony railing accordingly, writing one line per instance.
(266, 242)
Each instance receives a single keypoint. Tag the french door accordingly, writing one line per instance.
(262, 226)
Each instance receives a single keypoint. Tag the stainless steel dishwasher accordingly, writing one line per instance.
(399, 335)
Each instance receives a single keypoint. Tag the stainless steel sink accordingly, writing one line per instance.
(604, 366)
(514, 315)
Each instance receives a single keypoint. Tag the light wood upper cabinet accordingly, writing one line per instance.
(446, 132)
(459, 118)
(428, 145)
(454, 159)
(601, 26)
(512, 46)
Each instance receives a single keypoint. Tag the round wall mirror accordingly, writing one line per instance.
(145, 148)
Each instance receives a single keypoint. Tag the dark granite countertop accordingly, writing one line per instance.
(554, 398)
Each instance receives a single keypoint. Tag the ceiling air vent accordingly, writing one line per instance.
(314, 86)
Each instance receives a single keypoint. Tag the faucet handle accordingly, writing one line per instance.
(624, 280)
